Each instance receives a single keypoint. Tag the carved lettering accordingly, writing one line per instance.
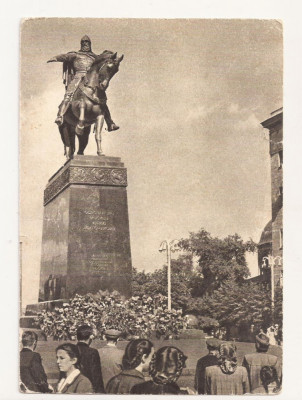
(93, 228)
(101, 265)
(96, 221)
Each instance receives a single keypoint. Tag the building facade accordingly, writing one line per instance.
(271, 241)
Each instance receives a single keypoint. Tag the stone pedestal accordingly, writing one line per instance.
(86, 241)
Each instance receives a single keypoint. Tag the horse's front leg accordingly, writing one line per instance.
(98, 134)
(80, 125)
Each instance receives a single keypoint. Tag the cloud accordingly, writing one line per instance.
(249, 121)
(199, 113)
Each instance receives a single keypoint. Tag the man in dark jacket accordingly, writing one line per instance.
(111, 357)
(90, 359)
(254, 362)
(204, 362)
(32, 373)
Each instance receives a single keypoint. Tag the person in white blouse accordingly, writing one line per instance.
(271, 334)
(71, 379)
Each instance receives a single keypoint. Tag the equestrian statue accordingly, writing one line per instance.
(86, 77)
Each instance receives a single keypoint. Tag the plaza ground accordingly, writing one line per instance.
(193, 349)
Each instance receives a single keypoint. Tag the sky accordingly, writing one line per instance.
(189, 99)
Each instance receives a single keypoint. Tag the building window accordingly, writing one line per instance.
(280, 158)
(280, 238)
(280, 194)
(281, 191)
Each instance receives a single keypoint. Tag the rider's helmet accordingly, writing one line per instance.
(85, 43)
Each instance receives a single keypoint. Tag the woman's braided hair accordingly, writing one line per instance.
(268, 375)
(135, 351)
(167, 364)
(227, 357)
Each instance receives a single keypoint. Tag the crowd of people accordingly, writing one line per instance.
(219, 373)
(142, 370)
(137, 317)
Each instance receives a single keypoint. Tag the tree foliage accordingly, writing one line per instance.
(219, 260)
(157, 283)
(278, 314)
(216, 289)
(235, 303)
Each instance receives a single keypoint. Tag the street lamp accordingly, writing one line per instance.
(169, 247)
(271, 263)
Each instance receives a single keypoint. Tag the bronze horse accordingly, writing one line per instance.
(88, 105)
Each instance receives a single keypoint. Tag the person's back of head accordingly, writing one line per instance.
(268, 375)
(167, 364)
(134, 353)
(227, 358)
(212, 345)
(112, 335)
(261, 343)
(84, 332)
(29, 338)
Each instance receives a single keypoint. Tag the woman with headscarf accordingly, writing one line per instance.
(68, 361)
(136, 360)
(227, 377)
(165, 368)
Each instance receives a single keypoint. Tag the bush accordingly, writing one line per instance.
(139, 316)
(207, 324)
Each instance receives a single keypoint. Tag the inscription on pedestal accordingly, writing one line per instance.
(98, 221)
(101, 265)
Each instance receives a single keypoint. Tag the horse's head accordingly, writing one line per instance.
(106, 65)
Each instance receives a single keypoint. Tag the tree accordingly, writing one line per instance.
(219, 260)
(215, 287)
(157, 282)
(207, 324)
(235, 303)
(149, 283)
(278, 315)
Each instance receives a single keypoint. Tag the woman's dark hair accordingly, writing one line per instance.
(167, 364)
(135, 351)
(227, 357)
(269, 375)
(262, 343)
(73, 352)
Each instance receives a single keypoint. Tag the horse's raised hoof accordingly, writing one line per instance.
(113, 127)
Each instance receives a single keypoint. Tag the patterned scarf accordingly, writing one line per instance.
(228, 366)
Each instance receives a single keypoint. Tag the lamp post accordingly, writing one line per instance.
(271, 264)
(169, 247)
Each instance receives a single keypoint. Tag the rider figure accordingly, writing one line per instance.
(75, 66)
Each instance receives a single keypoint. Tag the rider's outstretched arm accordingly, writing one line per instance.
(63, 57)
